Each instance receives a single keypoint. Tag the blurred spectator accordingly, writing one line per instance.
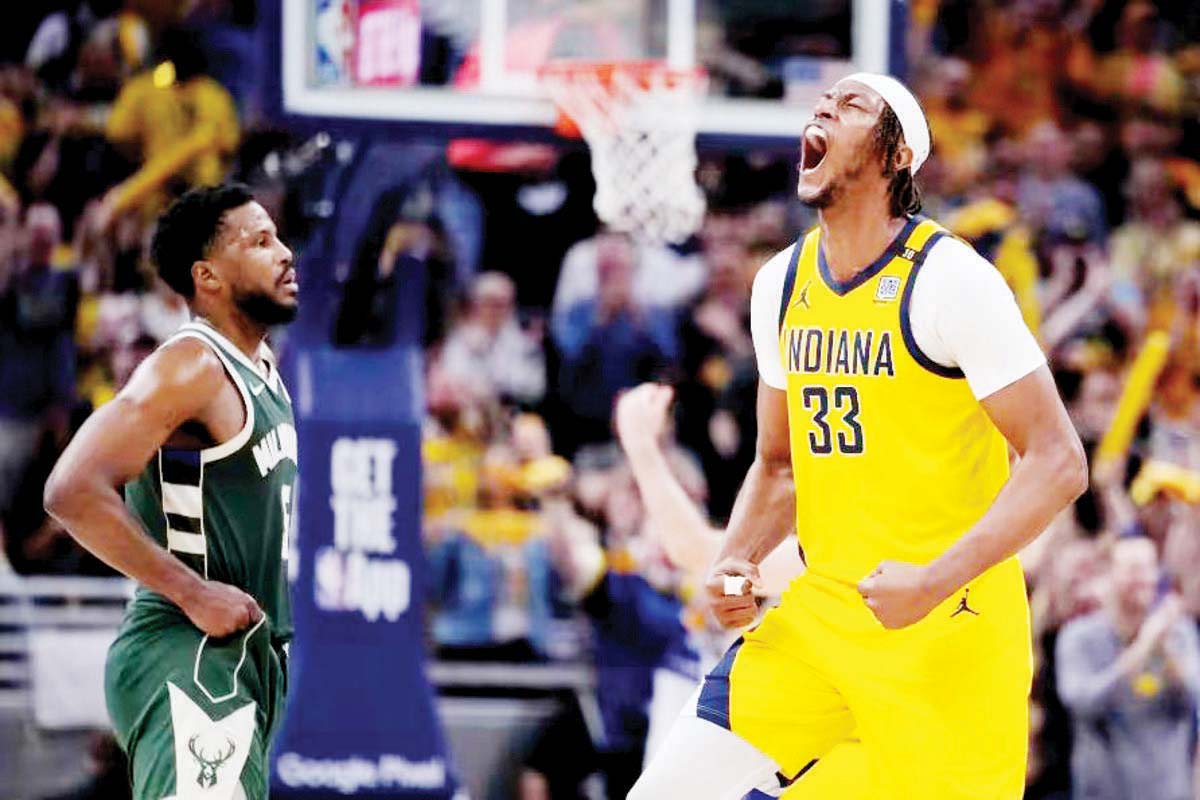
(1130, 676)
(404, 244)
(65, 159)
(539, 204)
(993, 227)
(494, 585)
(608, 343)
(1077, 296)
(1139, 72)
(715, 346)
(63, 38)
(1145, 133)
(233, 48)
(1174, 436)
(37, 356)
(34, 542)
(1166, 490)
(958, 127)
(662, 278)
(1026, 51)
(1098, 160)
(163, 311)
(1096, 401)
(175, 116)
(1156, 245)
(458, 428)
(629, 590)
(1048, 193)
(1073, 581)
(489, 351)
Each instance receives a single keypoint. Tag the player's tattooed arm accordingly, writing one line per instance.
(1050, 473)
(181, 382)
(763, 514)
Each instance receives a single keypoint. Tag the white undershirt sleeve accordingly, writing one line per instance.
(964, 315)
(765, 299)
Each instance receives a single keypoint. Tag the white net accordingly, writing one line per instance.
(640, 122)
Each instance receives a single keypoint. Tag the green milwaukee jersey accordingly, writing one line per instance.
(225, 511)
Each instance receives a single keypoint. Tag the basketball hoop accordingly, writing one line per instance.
(640, 119)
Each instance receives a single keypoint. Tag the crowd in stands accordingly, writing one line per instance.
(1066, 151)
(107, 110)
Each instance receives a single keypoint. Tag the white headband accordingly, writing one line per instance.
(907, 110)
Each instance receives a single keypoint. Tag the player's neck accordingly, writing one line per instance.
(244, 333)
(856, 230)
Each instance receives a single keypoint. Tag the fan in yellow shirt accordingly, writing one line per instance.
(176, 120)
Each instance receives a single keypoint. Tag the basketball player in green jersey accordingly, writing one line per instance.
(202, 439)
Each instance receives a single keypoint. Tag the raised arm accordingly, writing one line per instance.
(181, 382)
(677, 522)
(689, 541)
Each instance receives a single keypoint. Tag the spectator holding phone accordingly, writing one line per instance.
(1129, 674)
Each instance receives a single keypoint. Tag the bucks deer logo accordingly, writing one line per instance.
(209, 763)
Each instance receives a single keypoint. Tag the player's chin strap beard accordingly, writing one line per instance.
(264, 310)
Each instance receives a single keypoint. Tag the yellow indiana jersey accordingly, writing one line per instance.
(893, 456)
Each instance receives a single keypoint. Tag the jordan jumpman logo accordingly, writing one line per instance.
(962, 605)
(802, 298)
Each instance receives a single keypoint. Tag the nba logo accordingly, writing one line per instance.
(889, 287)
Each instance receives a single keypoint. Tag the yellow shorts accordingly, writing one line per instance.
(941, 707)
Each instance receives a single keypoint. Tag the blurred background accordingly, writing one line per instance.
(498, 619)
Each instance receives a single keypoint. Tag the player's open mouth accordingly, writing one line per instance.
(288, 281)
(813, 146)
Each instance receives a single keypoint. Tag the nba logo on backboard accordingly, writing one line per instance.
(889, 287)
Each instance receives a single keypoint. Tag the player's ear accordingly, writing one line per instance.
(903, 159)
(204, 276)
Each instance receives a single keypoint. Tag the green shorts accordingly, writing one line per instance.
(194, 714)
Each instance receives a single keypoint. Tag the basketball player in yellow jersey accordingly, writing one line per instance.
(895, 373)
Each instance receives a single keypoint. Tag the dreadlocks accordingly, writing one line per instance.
(905, 196)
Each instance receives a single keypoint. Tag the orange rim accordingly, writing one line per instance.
(567, 70)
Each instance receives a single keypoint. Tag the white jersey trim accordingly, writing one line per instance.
(962, 315)
(230, 446)
(184, 500)
(269, 372)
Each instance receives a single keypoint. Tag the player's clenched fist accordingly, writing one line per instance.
(898, 594)
(730, 588)
(219, 609)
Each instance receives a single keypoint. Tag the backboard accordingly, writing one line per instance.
(455, 67)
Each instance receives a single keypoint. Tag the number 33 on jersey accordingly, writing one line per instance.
(876, 425)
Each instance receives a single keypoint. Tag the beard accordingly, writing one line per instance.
(823, 198)
(265, 310)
